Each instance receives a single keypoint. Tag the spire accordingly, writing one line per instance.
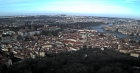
(32, 25)
(32, 22)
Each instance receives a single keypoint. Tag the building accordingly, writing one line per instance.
(135, 54)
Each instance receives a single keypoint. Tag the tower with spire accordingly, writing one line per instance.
(32, 25)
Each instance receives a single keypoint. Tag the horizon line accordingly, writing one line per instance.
(72, 15)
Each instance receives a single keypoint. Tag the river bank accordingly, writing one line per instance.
(99, 28)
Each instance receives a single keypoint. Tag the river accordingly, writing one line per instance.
(99, 28)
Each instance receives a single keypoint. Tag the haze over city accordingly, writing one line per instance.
(107, 8)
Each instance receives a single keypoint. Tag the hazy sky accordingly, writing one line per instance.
(115, 8)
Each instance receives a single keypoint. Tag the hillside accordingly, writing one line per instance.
(86, 60)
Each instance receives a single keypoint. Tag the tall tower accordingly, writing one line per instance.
(32, 25)
(26, 25)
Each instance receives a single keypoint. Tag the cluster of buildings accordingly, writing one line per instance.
(7, 35)
(132, 29)
(16, 21)
(67, 42)
(71, 40)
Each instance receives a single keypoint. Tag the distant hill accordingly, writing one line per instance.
(86, 60)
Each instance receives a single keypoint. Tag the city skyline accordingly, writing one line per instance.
(107, 8)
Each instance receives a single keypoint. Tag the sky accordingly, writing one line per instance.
(108, 8)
